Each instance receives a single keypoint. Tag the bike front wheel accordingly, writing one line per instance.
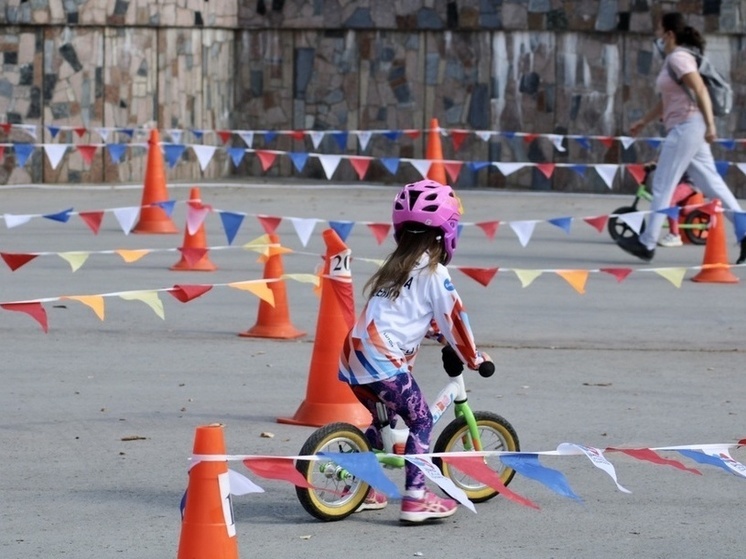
(336, 493)
(495, 433)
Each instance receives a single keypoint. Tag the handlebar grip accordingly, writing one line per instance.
(486, 369)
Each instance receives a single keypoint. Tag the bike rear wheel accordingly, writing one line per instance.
(495, 433)
(336, 493)
(696, 230)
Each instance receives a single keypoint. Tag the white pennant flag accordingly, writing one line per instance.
(316, 138)
(103, 132)
(597, 458)
(723, 454)
(330, 164)
(195, 218)
(176, 135)
(247, 136)
(422, 166)
(626, 141)
(30, 129)
(509, 168)
(204, 155)
(16, 220)
(363, 137)
(241, 485)
(485, 135)
(741, 167)
(633, 219)
(303, 228)
(556, 140)
(607, 173)
(55, 152)
(127, 217)
(433, 473)
(523, 230)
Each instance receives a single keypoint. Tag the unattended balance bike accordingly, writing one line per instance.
(336, 493)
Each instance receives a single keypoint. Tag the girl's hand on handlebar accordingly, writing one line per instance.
(487, 367)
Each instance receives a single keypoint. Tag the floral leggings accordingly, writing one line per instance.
(402, 396)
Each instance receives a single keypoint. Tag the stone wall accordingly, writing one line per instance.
(573, 67)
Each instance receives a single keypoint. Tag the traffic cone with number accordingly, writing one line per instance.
(434, 153)
(273, 321)
(715, 267)
(194, 249)
(153, 218)
(328, 399)
(208, 530)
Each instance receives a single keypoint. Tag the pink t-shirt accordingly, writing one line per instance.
(677, 105)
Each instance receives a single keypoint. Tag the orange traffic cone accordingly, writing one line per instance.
(194, 249)
(208, 530)
(434, 153)
(328, 399)
(274, 321)
(715, 267)
(154, 219)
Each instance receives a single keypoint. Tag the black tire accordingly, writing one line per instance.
(495, 433)
(697, 223)
(618, 229)
(338, 493)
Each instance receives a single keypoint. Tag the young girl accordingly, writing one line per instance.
(405, 296)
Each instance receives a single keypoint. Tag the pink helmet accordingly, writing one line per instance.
(432, 204)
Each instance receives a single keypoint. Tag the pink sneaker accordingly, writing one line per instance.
(429, 507)
(374, 501)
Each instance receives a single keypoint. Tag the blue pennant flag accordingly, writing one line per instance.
(392, 135)
(703, 458)
(269, 136)
(672, 212)
(653, 142)
(391, 164)
(299, 160)
(173, 153)
(478, 165)
(342, 228)
(236, 155)
(508, 135)
(23, 152)
(231, 223)
(116, 152)
(365, 466)
(167, 206)
(197, 133)
(128, 131)
(722, 167)
(529, 466)
(459, 229)
(563, 223)
(728, 144)
(583, 141)
(739, 220)
(53, 130)
(62, 216)
(341, 138)
(579, 169)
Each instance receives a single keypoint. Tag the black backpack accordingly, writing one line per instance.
(719, 89)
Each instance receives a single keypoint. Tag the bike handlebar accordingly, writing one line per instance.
(486, 369)
(454, 367)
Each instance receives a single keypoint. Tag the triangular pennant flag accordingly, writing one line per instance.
(489, 228)
(282, 469)
(728, 144)
(607, 173)
(192, 255)
(269, 136)
(34, 310)
(649, 455)
(87, 153)
(299, 160)
(186, 293)
(130, 255)
(607, 141)
(53, 130)
(391, 164)
(707, 459)
(16, 260)
(360, 164)
(363, 137)
(637, 171)
(92, 220)
(576, 278)
(722, 167)
(93, 302)
(528, 138)
(167, 206)
(12, 220)
(579, 169)
(176, 135)
(484, 135)
(127, 132)
(150, 298)
(597, 222)
(196, 214)
(197, 133)
(482, 276)
(258, 288)
(269, 223)
(54, 152)
(380, 231)
(674, 275)
(563, 223)
(231, 224)
(303, 228)
(341, 139)
(297, 134)
(116, 152)
(225, 135)
(741, 167)
(414, 134)
(266, 158)
(241, 485)
(303, 278)
(204, 155)
(527, 277)
(127, 217)
(556, 140)
(672, 212)
(654, 142)
(633, 219)
(547, 169)
(619, 273)
(75, 259)
(523, 230)
(597, 458)
(392, 135)
(432, 472)
(458, 137)
(453, 168)
(528, 465)
(173, 153)
(23, 152)
(422, 166)
(330, 164)
(247, 136)
(583, 141)
(508, 169)
(62, 217)
(316, 137)
(342, 228)
(626, 141)
(364, 465)
(721, 453)
(80, 131)
(6, 127)
(260, 244)
(236, 155)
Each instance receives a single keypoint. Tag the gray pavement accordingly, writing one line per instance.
(639, 362)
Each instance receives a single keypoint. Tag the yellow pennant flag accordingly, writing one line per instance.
(150, 298)
(258, 288)
(674, 275)
(260, 245)
(527, 276)
(132, 255)
(94, 302)
(303, 278)
(75, 259)
(576, 278)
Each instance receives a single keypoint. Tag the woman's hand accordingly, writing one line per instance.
(711, 134)
(636, 127)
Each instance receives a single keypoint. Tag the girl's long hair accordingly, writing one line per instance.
(685, 34)
(412, 244)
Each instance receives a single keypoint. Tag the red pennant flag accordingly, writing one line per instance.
(637, 171)
(380, 231)
(186, 293)
(414, 134)
(34, 310)
(267, 158)
(360, 164)
(297, 134)
(15, 260)
(482, 276)
(80, 131)
(528, 138)
(619, 273)
(598, 222)
(87, 153)
(281, 469)
(453, 168)
(546, 169)
(489, 228)
(269, 223)
(92, 220)
(649, 455)
(225, 135)
(458, 137)
(193, 254)
(6, 126)
(608, 141)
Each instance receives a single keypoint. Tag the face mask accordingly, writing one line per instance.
(660, 46)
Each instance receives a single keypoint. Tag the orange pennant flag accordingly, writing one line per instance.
(93, 302)
(132, 255)
(266, 158)
(576, 278)
(482, 276)
(259, 288)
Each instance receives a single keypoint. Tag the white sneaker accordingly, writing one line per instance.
(670, 240)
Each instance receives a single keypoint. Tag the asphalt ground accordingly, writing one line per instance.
(639, 362)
